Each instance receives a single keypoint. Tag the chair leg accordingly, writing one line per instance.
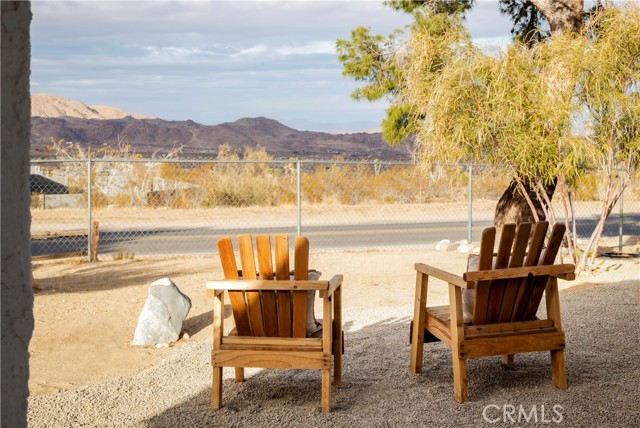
(338, 337)
(239, 374)
(419, 312)
(508, 359)
(326, 391)
(459, 379)
(216, 394)
(337, 354)
(558, 370)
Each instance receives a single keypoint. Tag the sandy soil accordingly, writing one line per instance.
(86, 313)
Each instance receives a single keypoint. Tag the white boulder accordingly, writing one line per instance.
(161, 317)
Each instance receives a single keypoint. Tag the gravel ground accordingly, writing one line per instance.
(601, 324)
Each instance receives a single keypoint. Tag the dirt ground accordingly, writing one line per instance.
(86, 313)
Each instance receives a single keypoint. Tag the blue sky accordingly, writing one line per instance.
(218, 61)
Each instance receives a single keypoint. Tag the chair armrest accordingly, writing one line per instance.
(267, 285)
(214, 292)
(564, 271)
(443, 275)
(565, 276)
(334, 283)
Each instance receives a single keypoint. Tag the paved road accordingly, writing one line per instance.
(203, 240)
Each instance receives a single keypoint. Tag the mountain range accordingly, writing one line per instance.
(58, 118)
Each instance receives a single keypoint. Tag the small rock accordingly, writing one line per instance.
(442, 245)
(465, 247)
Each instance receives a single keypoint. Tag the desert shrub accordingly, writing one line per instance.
(489, 183)
(285, 196)
(400, 184)
(37, 200)
(122, 254)
(122, 200)
(634, 187)
(311, 185)
(585, 188)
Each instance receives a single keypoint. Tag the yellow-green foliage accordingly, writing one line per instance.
(36, 200)
(585, 188)
(124, 255)
(524, 107)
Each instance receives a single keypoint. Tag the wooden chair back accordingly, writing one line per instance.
(267, 313)
(518, 299)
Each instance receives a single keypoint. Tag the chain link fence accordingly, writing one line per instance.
(146, 207)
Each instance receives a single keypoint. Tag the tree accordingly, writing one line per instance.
(376, 60)
(470, 106)
(549, 112)
(609, 90)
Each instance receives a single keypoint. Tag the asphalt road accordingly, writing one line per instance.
(203, 240)
(188, 241)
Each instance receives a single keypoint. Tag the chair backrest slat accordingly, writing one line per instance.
(524, 289)
(301, 272)
(548, 258)
(265, 268)
(236, 298)
(284, 297)
(517, 259)
(245, 246)
(485, 262)
(496, 292)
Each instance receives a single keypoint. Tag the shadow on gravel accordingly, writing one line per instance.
(379, 391)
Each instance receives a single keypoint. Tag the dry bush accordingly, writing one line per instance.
(586, 188)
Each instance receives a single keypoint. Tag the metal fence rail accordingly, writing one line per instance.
(149, 207)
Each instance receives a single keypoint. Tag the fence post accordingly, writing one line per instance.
(298, 198)
(470, 203)
(95, 238)
(89, 210)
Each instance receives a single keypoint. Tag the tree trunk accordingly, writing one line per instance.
(565, 15)
(514, 208)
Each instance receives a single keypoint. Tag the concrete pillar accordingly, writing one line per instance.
(17, 294)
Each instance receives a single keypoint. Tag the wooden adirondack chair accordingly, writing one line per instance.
(508, 289)
(270, 313)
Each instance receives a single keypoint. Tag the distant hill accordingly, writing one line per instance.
(45, 105)
(150, 135)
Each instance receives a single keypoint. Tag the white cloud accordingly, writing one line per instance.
(313, 48)
(257, 50)
(173, 52)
